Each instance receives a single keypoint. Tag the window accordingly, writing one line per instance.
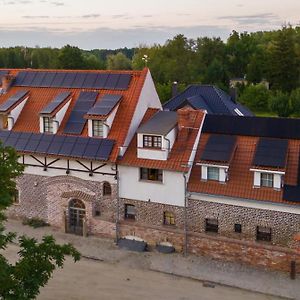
(106, 189)
(238, 228)
(48, 125)
(152, 141)
(151, 174)
(266, 179)
(211, 225)
(213, 173)
(129, 212)
(97, 128)
(263, 234)
(169, 218)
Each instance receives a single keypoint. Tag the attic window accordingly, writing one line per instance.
(48, 124)
(266, 179)
(213, 173)
(98, 128)
(152, 141)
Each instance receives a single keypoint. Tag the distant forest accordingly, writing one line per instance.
(272, 56)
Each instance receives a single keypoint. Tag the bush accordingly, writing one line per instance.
(280, 104)
(35, 222)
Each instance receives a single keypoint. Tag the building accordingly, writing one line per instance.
(103, 158)
(209, 98)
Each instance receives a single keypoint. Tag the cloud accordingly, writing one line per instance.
(57, 3)
(35, 17)
(253, 19)
(90, 16)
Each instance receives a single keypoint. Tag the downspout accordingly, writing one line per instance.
(185, 249)
(118, 206)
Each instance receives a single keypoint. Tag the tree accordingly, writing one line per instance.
(255, 97)
(280, 104)
(283, 62)
(118, 62)
(70, 57)
(37, 262)
(295, 101)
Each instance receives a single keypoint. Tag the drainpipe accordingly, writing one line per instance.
(117, 177)
(185, 250)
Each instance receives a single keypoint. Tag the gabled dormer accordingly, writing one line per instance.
(53, 113)
(216, 158)
(269, 163)
(102, 114)
(11, 109)
(156, 137)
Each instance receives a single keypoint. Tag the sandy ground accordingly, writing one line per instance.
(89, 279)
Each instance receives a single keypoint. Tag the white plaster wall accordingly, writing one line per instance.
(14, 114)
(152, 154)
(61, 113)
(62, 163)
(170, 191)
(148, 98)
(172, 137)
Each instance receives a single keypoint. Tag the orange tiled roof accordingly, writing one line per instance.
(180, 153)
(240, 183)
(39, 97)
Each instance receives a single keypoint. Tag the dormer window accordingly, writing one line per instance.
(152, 141)
(48, 125)
(98, 128)
(267, 179)
(213, 173)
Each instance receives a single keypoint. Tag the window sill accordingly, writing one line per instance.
(150, 148)
(151, 181)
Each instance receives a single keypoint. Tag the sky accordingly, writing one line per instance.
(111, 24)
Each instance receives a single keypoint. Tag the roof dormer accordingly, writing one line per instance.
(101, 115)
(53, 113)
(156, 137)
(11, 109)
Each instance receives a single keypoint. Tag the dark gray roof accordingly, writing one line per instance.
(208, 97)
(161, 123)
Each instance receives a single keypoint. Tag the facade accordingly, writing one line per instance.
(103, 158)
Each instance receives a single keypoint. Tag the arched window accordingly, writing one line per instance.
(106, 189)
(75, 203)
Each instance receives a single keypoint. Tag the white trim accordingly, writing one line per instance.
(212, 165)
(249, 203)
(268, 171)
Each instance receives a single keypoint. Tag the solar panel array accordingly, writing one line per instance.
(83, 104)
(105, 105)
(219, 148)
(271, 153)
(52, 106)
(11, 101)
(67, 146)
(88, 80)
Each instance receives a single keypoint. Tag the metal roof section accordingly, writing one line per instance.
(12, 101)
(161, 123)
(282, 128)
(219, 148)
(271, 153)
(207, 97)
(105, 105)
(55, 103)
(88, 80)
(58, 145)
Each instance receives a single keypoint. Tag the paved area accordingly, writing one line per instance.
(130, 264)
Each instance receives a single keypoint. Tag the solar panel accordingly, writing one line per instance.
(10, 102)
(3, 73)
(219, 148)
(58, 79)
(69, 79)
(79, 80)
(112, 81)
(76, 121)
(48, 79)
(29, 78)
(36, 82)
(89, 80)
(60, 98)
(100, 81)
(105, 105)
(20, 78)
(123, 82)
(271, 153)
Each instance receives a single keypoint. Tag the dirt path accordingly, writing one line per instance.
(93, 280)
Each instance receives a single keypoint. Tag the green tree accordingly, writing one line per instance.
(280, 104)
(283, 64)
(255, 97)
(295, 101)
(22, 280)
(118, 62)
(70, 57)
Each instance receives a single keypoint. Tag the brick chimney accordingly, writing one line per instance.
(7, 81)
(186, 117)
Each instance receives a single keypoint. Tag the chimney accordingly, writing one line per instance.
(7, 81)
(174, 89)
(233, 92)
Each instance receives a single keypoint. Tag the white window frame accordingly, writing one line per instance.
(210, 171)
(98, 128)
(267, 180)
(49, 127)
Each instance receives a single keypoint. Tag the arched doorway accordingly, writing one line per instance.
(76, 216)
